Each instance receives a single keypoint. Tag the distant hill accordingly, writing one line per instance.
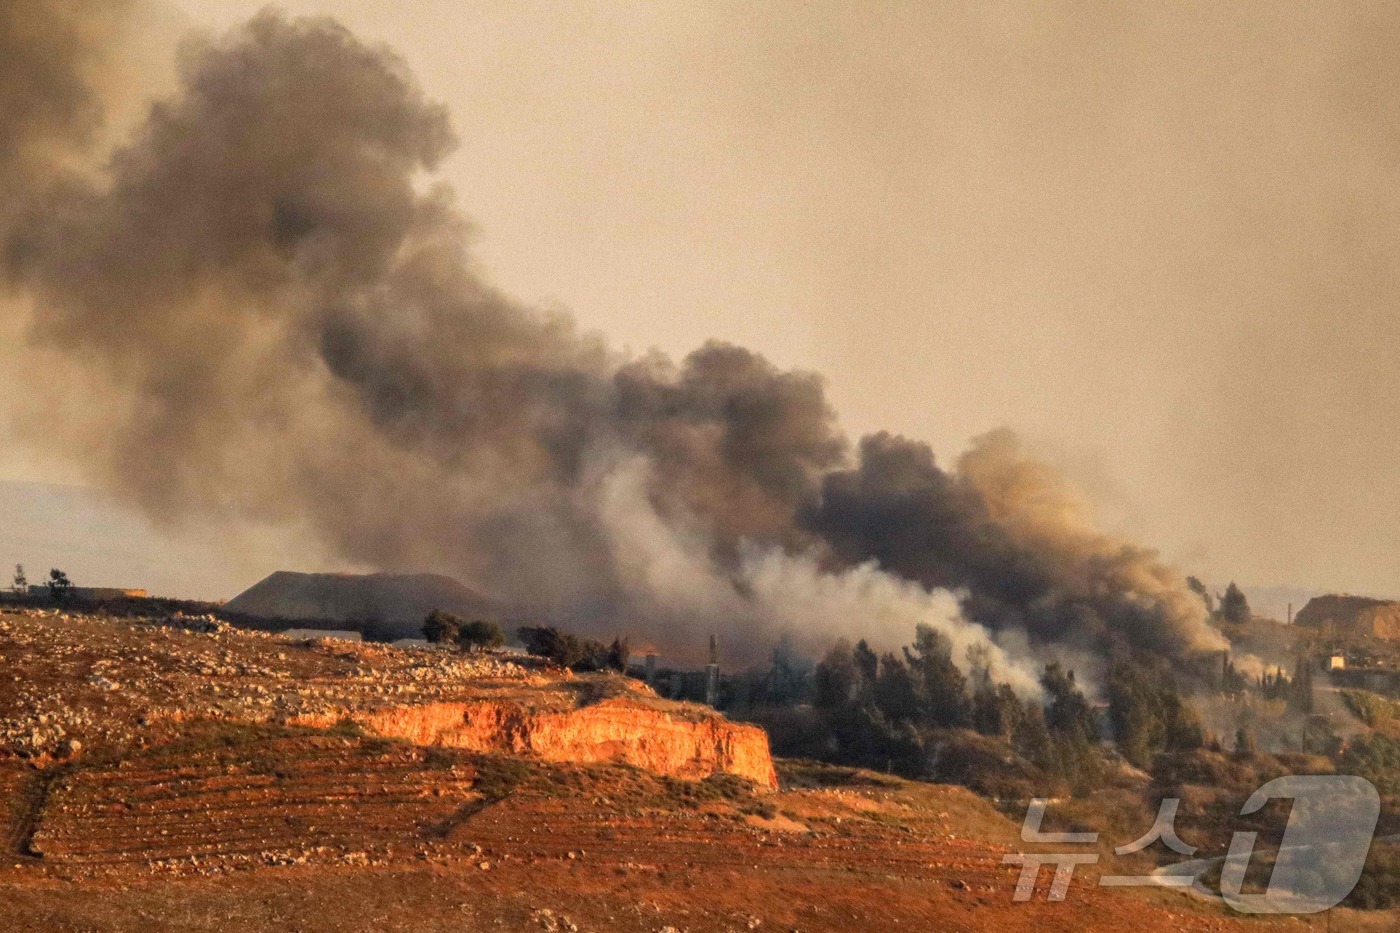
(1352, 616)
(380, 606)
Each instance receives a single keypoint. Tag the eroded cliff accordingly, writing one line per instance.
(93, 682)
(684, 743)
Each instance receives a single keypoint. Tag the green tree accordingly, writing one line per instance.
(1147, 714)
(1184, 728)
(1029, 737)
(60, 587)
(1234, 607)
(564, 648)
(896, 691)
(996, 710)
(442, 628)
(21, 581)
(1067, 713)
(867, 662)
(1137, 723)
(1300, 696)
(787, 681)
(619, 653)
(480, 634)
(941, 686)
(836, 677)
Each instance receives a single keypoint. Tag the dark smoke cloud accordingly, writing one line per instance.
(1006, 531)
(51, 54)
(285, 326)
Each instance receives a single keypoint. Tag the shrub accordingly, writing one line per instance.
(1369, 708)
(563, 648)
(1376, 758)
(441, 628)
(480, 634)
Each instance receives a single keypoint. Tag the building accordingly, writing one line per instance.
(91, 594)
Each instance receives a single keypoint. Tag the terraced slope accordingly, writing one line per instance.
(171, 776)
(90, 683)
(254, 797)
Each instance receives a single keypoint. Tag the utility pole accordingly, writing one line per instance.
(712, 674)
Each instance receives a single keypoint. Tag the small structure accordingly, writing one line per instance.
(1337, 662)
(90, 594)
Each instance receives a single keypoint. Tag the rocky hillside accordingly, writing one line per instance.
(173, 774)
(86, 683)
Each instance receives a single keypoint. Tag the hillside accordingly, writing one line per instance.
(1352, 616)
(379, 605)
(174, 774)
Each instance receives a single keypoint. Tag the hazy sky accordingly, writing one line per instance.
(1157, 239)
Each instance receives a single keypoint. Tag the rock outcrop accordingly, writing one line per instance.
(688, 746)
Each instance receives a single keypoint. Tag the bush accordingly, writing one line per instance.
(480, 634)
(563, 648)
(1371, 709)
(1376, 758)
(1379, 887)
(441, 628)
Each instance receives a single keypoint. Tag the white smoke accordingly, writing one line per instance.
(673, 583)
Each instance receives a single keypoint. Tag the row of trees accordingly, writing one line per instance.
(59, 586)
(563, 648)
(898, 711)
(443, 628)
(575, 653)
(1148, 715)
(894, 711)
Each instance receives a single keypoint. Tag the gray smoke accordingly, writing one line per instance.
(1008, 532)
(283, 324)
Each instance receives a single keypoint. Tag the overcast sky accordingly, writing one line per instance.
(1157, 239)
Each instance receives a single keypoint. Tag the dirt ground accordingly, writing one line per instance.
(215, 824)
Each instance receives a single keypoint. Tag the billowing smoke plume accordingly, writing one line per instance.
(1008, 532)
(282, 323)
